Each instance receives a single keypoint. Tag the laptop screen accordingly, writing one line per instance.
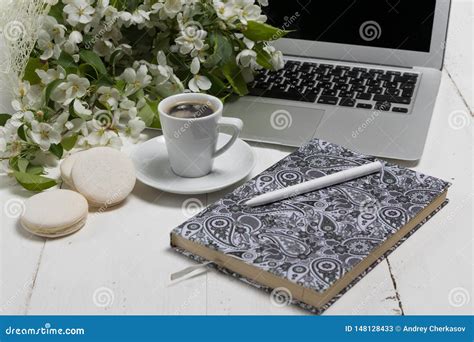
(394, 24)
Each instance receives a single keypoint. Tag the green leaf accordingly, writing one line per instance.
(66, 61)
(21, 133)
(94, 60)
(35, 169)
(69, 142)
(148, 112)
(22, 164)
(30, 70)
(33, 182)
(234, 76)
(156, 122)
(13, 163)
(263, 57)
(57, 150)
(4, 118)
(56, 11)
(89, 71)
(223, 50)
(263, 32)
(218, 87)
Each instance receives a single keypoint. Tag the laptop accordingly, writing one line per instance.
(362, 74)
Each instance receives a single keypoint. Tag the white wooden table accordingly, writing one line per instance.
(121, 261)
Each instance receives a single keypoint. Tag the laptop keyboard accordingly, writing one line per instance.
(342, 85)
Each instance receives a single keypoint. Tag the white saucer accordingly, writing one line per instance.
(153, 168)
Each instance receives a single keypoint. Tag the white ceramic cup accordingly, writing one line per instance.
(191, 143)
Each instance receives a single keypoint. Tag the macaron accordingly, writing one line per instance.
(55, 213)
(104, 175)
(66, 169)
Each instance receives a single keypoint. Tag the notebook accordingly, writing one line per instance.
(316, 245)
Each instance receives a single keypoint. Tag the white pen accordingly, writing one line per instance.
(316, 184)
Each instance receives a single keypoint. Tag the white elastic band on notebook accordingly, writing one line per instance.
(190, 272)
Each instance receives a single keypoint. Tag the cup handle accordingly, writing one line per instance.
(236, 125)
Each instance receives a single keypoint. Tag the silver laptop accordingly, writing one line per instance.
(363, 74)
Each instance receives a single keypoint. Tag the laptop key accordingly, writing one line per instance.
(384, 106)
(393, 99)
(346, 102)
(325, 85)
(364, 105)
(352, 73)
(392, 91)
(375, 90)
(363, 96)
(400, 109)
(329, 92)
(385, 77)
(407, 86)
(358, 88)
(327, 100)
(326, 66)
(347, 94)
(342, 86)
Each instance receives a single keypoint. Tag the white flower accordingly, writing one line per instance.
(44, 135)
(135, 127)
(74, 126)
(246, 58)
(277, 57)
(3, 140)
(171, 8)
(70, 46)
(198, 82)
(108, 96)
(74, 87)
(78, 11)
(103, 47)
(80, 108)
(191, 39)
(249, 11)
(137, 17)
(27, 96)
(49, 48)
(100, 137)
(127, 108)
(51, 75)
(136, 80)
(226, 11)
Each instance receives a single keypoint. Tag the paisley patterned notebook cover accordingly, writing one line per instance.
(315, 238)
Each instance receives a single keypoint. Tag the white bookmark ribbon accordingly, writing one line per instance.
(189, 272)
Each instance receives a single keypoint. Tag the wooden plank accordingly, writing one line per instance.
(20, 252)
(437, 259)
(459, 51)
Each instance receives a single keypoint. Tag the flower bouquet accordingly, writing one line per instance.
(100, 67)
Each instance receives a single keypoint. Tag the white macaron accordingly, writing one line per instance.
(66, 169)
(55, 213)
(105, 176)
